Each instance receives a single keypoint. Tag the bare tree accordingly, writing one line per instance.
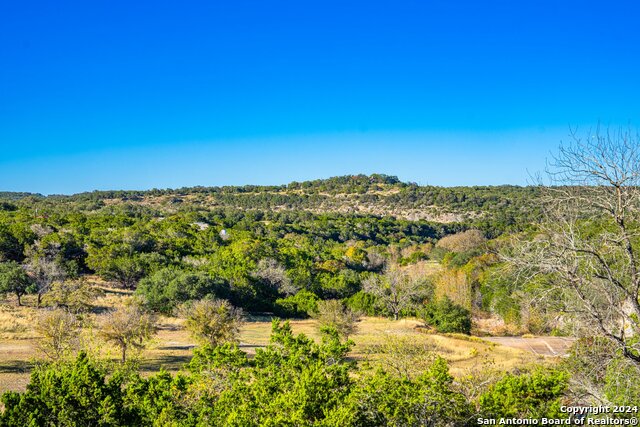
(73, 295)
(335, 314)
(405, 356)
(588, 244)
(44, 269)
(463, 241)
(273, 275)
(375, 261)
(128, 327)
(396, 290)
(59, 333)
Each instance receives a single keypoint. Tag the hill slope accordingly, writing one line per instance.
(378, 195)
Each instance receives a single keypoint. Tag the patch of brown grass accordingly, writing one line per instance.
(16, 322)
(172, 347)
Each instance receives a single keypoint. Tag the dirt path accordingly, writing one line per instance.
(542, 346)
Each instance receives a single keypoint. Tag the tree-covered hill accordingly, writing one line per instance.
(377, 195)
(327, 236)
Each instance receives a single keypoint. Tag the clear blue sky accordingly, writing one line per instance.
(134, 95)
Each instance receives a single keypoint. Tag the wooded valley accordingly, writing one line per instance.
(351, 301)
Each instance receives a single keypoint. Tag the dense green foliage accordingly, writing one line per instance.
(302, 304)
(447, 317)
(14, 279)
(534, 395)
(165, 289)
(334, 249)
(76, 394)
(175, 252)
(294, 381)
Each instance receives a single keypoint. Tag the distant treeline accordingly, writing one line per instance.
(492, 208)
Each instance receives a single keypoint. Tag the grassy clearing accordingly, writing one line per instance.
(172, 347)
(16, 322)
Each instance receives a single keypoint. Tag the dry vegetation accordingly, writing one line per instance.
(376, 342)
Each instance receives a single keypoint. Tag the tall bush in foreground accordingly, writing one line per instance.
(381, 399)
(67, 395)
(534, 395)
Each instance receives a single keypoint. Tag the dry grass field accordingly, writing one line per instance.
(396, 345)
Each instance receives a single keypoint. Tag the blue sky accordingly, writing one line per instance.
(135, 95)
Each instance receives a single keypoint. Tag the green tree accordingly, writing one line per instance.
(14, 279)
(158, 401)
(165, 289)
(10, 247)
(67, 395)
(447, 317)
(302, 304)
(294, 381)
(363, 303)
(125, 270)
(534, 395)
(380, 399)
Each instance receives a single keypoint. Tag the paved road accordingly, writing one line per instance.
(543, 346)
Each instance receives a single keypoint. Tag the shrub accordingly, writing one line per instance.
(207, 358)
(167, 288)
(213, 322)
(69, 394)
(334, 314)
(414, 258)
(459, 259)
(534, 395)
(127, 327)
(340, 285)
(447, 317)
(157, 401)
(73, 295)
(301, 304)
(58, 331)
(382, 399)
(363, 303)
